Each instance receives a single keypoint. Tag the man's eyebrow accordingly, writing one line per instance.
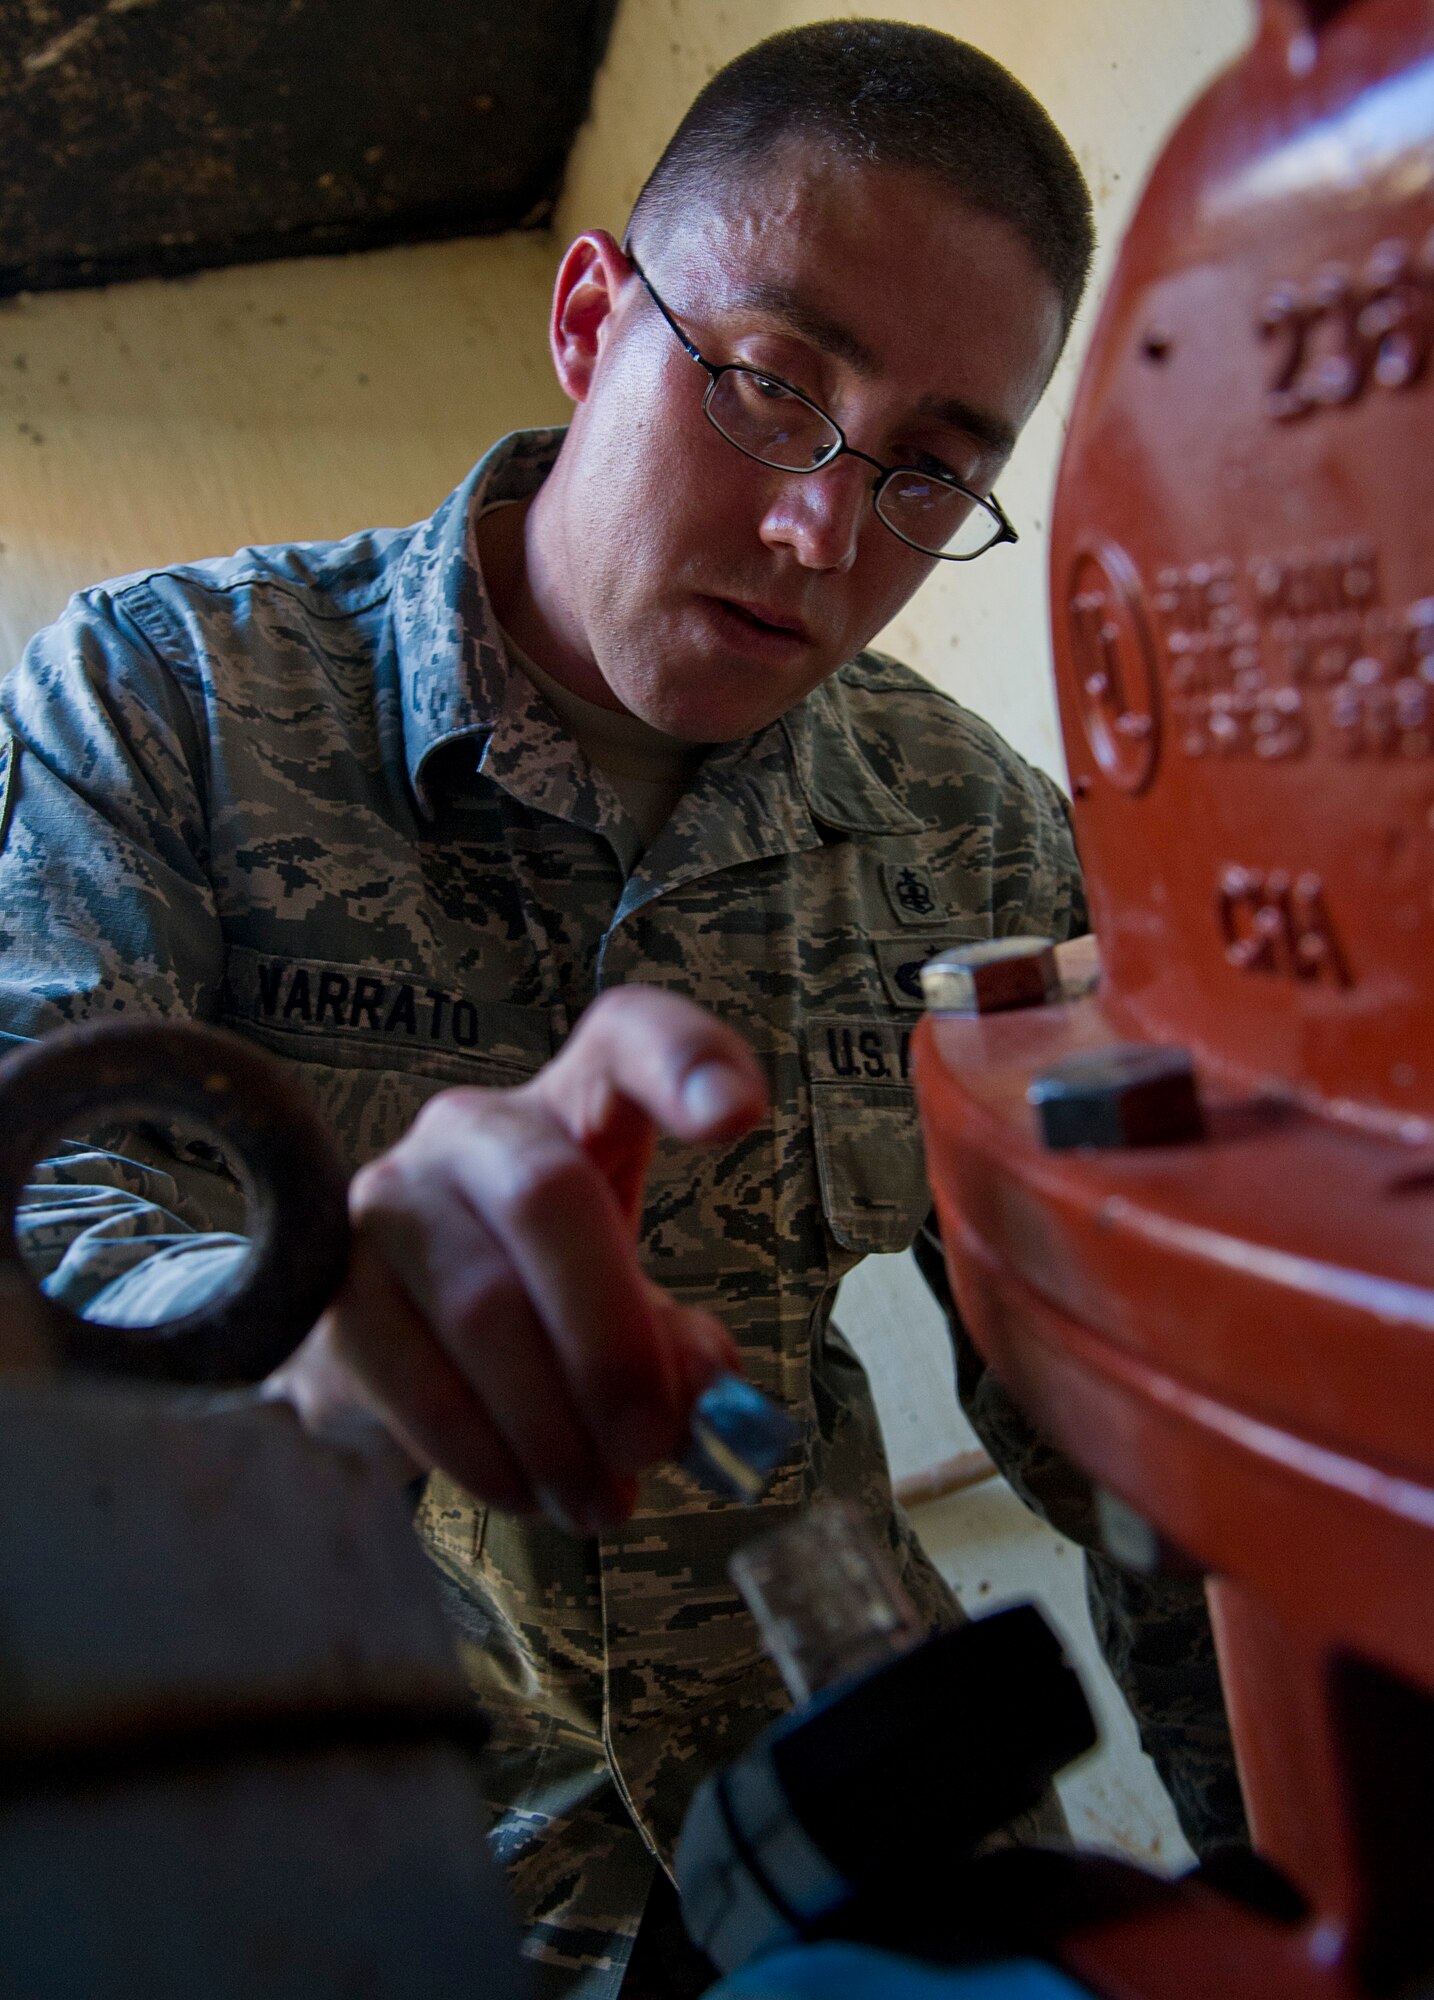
(831, 335)
(837, 339)
(982, 425)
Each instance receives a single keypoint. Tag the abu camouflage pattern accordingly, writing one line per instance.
(303, 792)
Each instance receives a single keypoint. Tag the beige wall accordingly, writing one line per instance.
(170, 420)
(1114, 75)
(158, 421)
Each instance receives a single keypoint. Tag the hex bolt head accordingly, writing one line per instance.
(1133, 1094)
(991, 977)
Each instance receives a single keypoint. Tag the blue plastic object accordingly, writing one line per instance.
(739, 1436)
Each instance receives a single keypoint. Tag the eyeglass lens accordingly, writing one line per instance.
(771, 423)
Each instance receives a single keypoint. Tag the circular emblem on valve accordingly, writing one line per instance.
(1114, 664)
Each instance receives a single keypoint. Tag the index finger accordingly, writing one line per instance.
(642, 1060)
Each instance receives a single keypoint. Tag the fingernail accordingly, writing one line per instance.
(712, 1093)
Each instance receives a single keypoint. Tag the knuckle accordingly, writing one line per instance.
(490, 1474)
(512, 1493)
(540, 1183)
(547, 1444)
(479, 1309)
(449, 1118)
(613, 1001)
(426, 1406)
(378, 1185)
(555, 1464)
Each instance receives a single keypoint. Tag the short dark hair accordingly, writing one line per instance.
(887, 93)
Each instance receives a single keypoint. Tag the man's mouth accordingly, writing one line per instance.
(767, 618)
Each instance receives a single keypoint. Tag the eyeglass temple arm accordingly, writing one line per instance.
(687, 346)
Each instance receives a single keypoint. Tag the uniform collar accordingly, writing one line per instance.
(454, 673)
(457, 681)
(835, 769)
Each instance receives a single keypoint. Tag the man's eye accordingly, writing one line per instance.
(937, 468)
(770, 389)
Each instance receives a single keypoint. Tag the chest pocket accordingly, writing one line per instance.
(868, 1142)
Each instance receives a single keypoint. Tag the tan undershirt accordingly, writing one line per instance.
(648, 770)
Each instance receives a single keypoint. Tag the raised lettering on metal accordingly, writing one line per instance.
(1293, 652)
(1344, 332)
(1115, 658)
(1277, 923)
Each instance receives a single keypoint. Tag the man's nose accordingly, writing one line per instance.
(819, 515)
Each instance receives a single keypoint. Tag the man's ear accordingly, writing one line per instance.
(590, 276)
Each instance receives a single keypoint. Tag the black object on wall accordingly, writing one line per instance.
(142, 137)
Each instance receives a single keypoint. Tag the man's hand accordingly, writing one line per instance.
(496, 1318)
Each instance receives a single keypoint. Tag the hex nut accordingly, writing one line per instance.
(1131, 1094)
(991, 977)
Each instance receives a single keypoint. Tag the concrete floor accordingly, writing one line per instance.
(993, 1551)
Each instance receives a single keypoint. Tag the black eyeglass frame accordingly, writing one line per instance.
(716, 370)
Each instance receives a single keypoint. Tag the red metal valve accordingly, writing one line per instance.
(1235, 1332)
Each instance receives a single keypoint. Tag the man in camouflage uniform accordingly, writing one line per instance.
(353, 802)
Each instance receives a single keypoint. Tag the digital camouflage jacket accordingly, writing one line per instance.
(301, 792)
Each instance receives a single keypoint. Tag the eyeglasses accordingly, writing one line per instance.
(771, 422)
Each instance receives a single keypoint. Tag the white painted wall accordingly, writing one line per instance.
(169, 420)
